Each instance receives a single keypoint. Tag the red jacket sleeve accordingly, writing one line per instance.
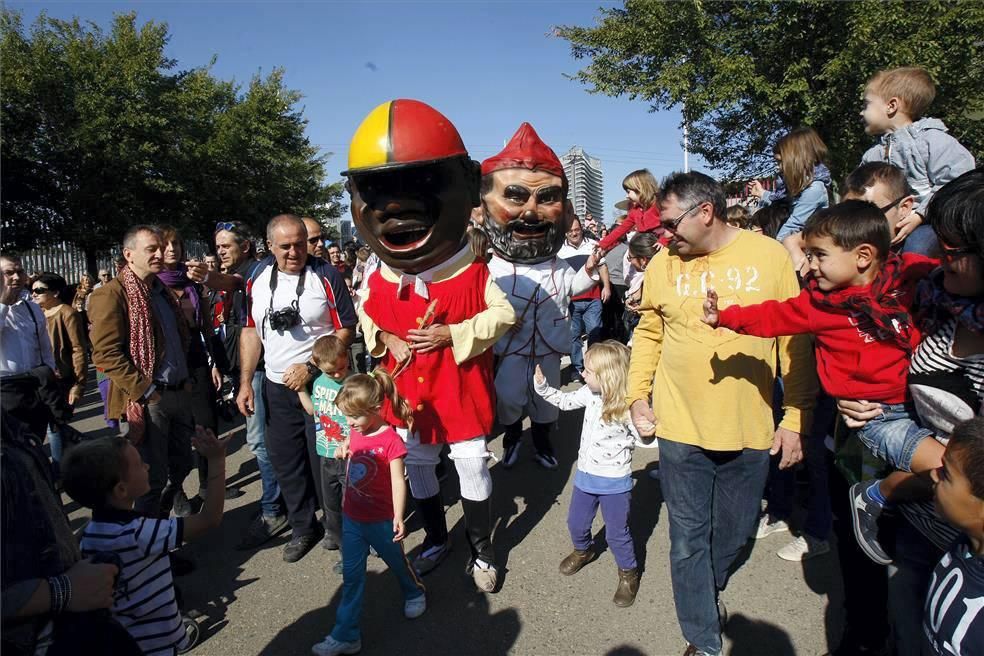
(618, 231)
(770, 319)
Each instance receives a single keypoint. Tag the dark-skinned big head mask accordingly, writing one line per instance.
(412, 185)
(525, 211)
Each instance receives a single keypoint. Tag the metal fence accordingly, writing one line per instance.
(68, 261)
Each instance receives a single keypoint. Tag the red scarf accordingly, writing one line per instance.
(881, 302)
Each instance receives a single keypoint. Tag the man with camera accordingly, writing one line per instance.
(292, 300)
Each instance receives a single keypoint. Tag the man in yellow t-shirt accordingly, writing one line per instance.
(712, 392)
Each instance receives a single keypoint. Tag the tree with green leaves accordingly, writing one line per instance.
(101, 132)
(745, 73)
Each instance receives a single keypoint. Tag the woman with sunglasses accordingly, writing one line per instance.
(205, 377)
(946, 381)
(66, 330)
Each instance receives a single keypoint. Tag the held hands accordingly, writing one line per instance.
(296, 377)
(711, 314)
(399, 531)
(592, 262)
(207, 444)
(427, 340)
(342, 451)
(643, 419)
(538, 376)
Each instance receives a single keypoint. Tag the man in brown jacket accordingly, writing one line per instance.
(138, 341)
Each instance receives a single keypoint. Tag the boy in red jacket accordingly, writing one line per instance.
(856, 304)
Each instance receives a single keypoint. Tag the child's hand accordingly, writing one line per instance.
(342, 450)
(399, 531)
(207, 444)
(711, 315)
(538, 376)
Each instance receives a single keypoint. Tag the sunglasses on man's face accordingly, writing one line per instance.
(314, 240)
(37, 291)
(951, 252)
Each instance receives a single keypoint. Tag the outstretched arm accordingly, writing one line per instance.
(555, 397)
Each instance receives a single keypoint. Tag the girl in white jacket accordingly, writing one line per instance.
(604, 462)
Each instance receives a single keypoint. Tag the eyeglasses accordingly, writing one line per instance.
(37, 291)
(951, 252)
(314, 240)
(671, 224)
(893, 204)
(103, 275)
(224, 225)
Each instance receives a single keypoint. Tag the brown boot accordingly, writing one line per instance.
(578, 559)
(628, 586)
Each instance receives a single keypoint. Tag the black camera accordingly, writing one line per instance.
(284, 318)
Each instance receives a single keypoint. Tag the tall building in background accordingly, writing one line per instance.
(585, 179)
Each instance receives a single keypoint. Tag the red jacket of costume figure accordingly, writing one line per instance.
(854, 360)
(638, 220)
(451, 402)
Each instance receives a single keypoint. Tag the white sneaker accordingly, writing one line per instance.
(769, 525)
(331, 647)
(414, 608)
(803, 548)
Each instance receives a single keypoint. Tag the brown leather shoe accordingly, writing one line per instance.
(578, 559)
(628, 586)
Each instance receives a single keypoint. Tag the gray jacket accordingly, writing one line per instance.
(929, 156)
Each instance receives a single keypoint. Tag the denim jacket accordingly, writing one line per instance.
(929, 156)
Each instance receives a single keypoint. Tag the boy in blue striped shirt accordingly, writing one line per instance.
(108, 475)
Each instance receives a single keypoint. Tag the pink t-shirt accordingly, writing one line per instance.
(368, 486)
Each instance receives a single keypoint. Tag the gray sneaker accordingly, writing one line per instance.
(262, 529)
(864, 514)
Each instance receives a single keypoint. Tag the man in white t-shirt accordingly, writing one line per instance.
(292, 300)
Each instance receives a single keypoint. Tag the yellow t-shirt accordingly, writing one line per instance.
(712, 387)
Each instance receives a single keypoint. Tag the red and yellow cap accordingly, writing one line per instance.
(401, 133)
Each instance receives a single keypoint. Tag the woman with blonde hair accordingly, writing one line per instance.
(604, 462)
(805, 181)
(642, 192)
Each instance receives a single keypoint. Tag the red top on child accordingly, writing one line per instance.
(857, 358)
(368, 485)
(639, 220)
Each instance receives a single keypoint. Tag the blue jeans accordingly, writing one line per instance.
(256, 441)
(55, 444)
(894, 435)
(615, 512)
(585, 320)
(782, 482)
(357, 537)
(712, 500)
(923, 241)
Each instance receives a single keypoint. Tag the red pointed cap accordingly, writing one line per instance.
(525, 151)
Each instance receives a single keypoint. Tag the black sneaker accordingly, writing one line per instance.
(299, 546)
(546, 460)
(262, 529)
(328, 543)
(864, 516)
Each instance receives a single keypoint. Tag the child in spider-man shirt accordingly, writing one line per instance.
(331, 430)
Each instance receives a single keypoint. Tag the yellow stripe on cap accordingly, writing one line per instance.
(371, 145)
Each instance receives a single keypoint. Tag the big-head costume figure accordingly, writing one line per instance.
(526, 214)
(431, 312)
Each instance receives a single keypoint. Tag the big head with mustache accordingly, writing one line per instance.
(412, 185)
(525, 211)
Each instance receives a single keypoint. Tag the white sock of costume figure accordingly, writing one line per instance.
(470, 459)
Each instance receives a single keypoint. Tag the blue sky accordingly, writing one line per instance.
(488, 66)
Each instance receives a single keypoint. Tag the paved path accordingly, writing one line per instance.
(254, 603)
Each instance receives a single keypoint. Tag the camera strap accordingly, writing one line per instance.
(296, 303)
